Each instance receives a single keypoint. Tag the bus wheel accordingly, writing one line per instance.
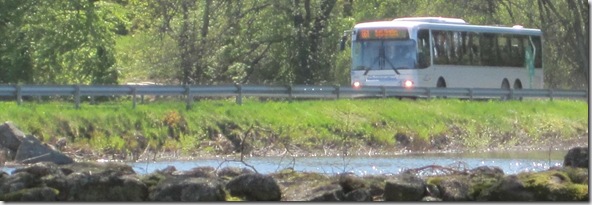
(441, 84)
(518, 86)
(505, 86)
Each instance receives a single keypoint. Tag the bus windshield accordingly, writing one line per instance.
(384, 55)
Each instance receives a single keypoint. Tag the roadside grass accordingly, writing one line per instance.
(115, 127)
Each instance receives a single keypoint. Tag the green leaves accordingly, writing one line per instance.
(63, 42)
(247, 41)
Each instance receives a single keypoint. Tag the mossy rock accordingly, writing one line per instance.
(554, 185)
(298, 186)
(481, 182)
(153, 179)
(577, 175)
(32, 194)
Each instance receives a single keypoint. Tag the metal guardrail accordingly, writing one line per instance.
(290, 92)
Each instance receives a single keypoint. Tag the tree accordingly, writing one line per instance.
(56, 42)
(566, 29)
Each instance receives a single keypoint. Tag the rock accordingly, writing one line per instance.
(45, 174)
(31, 150)
(231, 172)
(362, 194)
(349, 182)
(577, 157)
(332, 192)
(41, 169)
(431, 198)
(482, 178)
(10, 136)
(108, 185)
(376, 184)
(432, 190)
(32, 194)
(205, 172)
(404, 187)
(168, 170)
(254, 187)
(510, 188)
(302, 186)
(490, 171)
(577, 175)
(96, 167)
(184, 189)
(10, 139)
(454, 189)
(18, 181)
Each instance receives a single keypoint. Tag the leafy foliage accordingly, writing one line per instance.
(247, 41)
(63, 42)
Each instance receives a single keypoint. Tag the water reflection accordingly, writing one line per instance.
(511, 163)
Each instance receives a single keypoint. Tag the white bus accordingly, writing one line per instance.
(445, 52)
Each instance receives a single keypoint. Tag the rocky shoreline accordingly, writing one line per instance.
(95, 182)
(47, 174)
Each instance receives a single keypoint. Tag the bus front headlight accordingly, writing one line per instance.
(408, 83)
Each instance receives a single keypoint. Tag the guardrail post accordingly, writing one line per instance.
(290, 94)
(19, 95)
(470, 93)
(77, 96)
(511, 97)
(134, 99)
(188, 97)
(383, 90)
(550, 94)
(239, 97)
(337, 90)
(429, 92)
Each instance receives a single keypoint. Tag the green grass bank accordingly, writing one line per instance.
(217, 127)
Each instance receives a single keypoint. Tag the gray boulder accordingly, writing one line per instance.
(510, 188)
(455, 189)
(577, 157)
(31, 151)
(230, 172)
(18, 181)
(10, 139)
(204, 172)
(404, 187)
(331, 192)
(254, 187)
(185, 189)
(362, 194)
(32, 194)
(108, 185)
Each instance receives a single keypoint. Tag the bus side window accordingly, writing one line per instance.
(517, 53)
(503, 51)
(423, 51)
(464, 56)
(488, 43)
(475, 49)
(538, 57)
(440, 47)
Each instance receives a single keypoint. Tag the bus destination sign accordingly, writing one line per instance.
(383, 33)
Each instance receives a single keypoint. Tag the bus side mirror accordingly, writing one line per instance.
(343, 41)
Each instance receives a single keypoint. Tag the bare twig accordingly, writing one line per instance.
(242, 152)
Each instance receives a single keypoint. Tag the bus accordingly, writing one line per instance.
(444, 52)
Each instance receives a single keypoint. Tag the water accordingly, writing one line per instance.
(510, 162)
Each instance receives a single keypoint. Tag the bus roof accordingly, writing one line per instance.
(452, 24)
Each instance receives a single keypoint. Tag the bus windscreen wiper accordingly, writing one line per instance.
(381, 59)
